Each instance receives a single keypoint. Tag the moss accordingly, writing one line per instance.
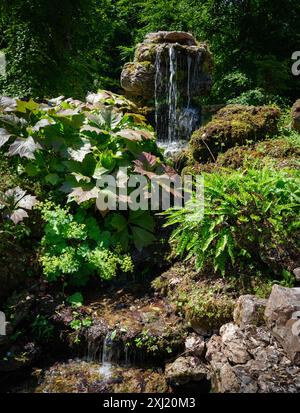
(208, 307)
(145, 52)
(280, 153)
(147, 65)
(206, 300)
(234, 125)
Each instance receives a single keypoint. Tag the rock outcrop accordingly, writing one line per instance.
(234, 125)
(138, 77)
(255, 358)
(296, 116)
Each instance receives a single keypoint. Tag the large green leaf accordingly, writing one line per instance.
(80, 153)
(118, 222)
(141, 237)
(143, 219)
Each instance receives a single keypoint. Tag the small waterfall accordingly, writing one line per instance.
(158, 82)
(177, 73)
(172, 121)
(189, 61)
(106, 365)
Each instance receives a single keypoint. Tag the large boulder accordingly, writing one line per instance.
(296, 116)
(283, 318)
(234, 125)
(249, 310)
(138, 77)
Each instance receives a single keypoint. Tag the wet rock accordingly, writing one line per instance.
(138, 329)
(185, 370)
(234, 125)
(77, 376)
(249, 310)
(195, 345)
(283, 318)
(138, 77)
(296, 116)
(18, 357)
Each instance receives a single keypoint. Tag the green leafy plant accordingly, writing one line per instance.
(76, 299)
(70, 146)
(42, 328)
(75, 247)
(78, 323)
(249, 216)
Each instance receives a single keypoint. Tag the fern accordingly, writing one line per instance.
(246, 216)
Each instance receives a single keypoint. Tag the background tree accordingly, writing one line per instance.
(69, 47)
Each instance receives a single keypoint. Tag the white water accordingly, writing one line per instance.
(172, 121)
(106, 365)
(189, 61)
(175, 116)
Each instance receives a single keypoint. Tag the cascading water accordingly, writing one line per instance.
(106, 365)
(176, 76)
(172, 118)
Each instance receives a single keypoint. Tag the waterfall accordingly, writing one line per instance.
(189, 61)
(106, 365)
(172, 121)
(177, 73)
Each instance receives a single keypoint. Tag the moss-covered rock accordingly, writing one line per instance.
(204, 299)
(138, 77)
(140, 329)
(296, 116)
(234, 125)
(280, 153)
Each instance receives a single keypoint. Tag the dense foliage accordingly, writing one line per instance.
(69, 47)
(249, 217)
(68, 146)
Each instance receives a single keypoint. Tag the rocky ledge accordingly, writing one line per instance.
(257, 353)
(138, 77)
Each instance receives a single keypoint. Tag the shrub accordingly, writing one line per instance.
(257, 97)
(74, 247)
(68, 146)
(234, 125)
(249, 216)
